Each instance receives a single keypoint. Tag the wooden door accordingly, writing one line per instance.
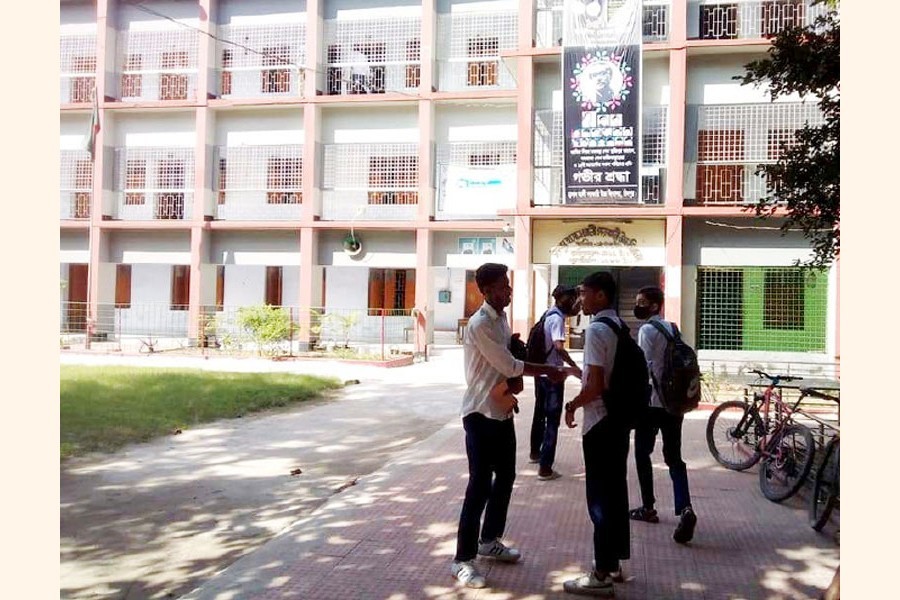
(78, 287)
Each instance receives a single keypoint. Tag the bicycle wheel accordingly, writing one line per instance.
(733, 433)
(826, 489)
(787, 462)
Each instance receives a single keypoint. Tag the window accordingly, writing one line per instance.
(131, 81)
(721, 308)
(220, 287)
(82, 89)
(181, 287)
(274, 285)
(718, 21)
(84, 177)
(783, 304)
(391, 289)
(174, 86)
(413, 71)
(123, 286)
(222, 181)
(227, 61)
(276, 81)
(334, 75)
(390, 178)
(720, 183)
(483, 72)
(781, 14)
(283, 181)
(135, 179)
(170, 177)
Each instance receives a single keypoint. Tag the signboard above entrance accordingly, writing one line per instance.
(611, 243)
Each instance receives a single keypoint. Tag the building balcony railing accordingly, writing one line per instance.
(372, 56)
(548, 156)
(370, 182)
(747, 19)
(154, 183)
(157, 65)
(275, 70)
(475, 179)
(76, 177)
(259, 182)
(549, 23)
(77, 68)
(469, 48)
(731, 141)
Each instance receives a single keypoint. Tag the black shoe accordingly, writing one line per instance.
(534, 458)
(684, 532)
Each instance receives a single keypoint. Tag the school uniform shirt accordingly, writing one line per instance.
(554, 331)
(600, 343)
(653, 343)
(487, 360)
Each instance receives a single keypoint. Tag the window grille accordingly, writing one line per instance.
(762, 309)
(259, 182)
(77, 68)
(272, 71)
(154, 183)
(159, 64)
(76, 177)
(372, 56)
(741, 19)
(469, 48)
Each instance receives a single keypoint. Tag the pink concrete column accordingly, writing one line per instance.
(310, 282)
(674, 238)
(521, 308)
(525, 121)
(426, 198)
(428, 45)
(526, 24)
(677, 104)
(314, 43)
(312, 127)
(424, 295)
(199, 252)
(206, 52)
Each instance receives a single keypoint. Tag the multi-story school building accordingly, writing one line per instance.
(241, 142)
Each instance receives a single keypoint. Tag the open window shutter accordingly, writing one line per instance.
(390, 288)
(409, 296)
(220, 287)
(376, 288)
(123, 286)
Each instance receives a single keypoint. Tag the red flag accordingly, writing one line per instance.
(95, 125)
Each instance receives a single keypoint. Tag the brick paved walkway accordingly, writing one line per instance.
(392, 536)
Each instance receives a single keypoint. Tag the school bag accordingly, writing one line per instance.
(628, 393)
(679, 383)
(536, 347)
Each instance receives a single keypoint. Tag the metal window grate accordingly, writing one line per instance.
(259, 182)
(274, 72)
(733, 139)
(469, 47)
(372, 56)
(775, 309)
(77, 67)
(76, 177)
(476, 153)
(154, 183)
(739, 19)
(158, 65)
(655, 20)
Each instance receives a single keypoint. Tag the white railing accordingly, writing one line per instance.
(259, 182)
(469, 48)
(77, 68)
(75, 184)
(275, 69)
(475, 179)
(549, 23)
(158, 65)
(743, 19)
(154, 183)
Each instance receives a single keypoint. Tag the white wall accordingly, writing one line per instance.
(454, 123)
(77, 19)
(265, 248)
(134, 19)
(709, 81)
(73, 247)
(73, 131)
(367, 9)
(447, 315)
(346, 287)
(383, 249)
(156, 247)
(458, 6)
(242, 12)
(245, 285)
(371, 125)
(157, 129)
(547, 86)
(269, 127)
(445, 250)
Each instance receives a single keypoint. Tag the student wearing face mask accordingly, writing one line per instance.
(657, 419)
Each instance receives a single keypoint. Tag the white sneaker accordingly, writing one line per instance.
(591, 585)
(466, 573)
(498, 551)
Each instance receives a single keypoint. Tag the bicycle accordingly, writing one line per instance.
(785, 448)
(827, 483)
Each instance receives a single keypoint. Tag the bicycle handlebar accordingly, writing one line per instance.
(776, 378)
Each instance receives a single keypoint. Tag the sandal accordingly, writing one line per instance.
(644, 514)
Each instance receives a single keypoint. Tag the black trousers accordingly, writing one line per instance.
(605, 466)
(658, 420)
(491, 449)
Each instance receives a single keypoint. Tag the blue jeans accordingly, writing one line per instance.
(548, 405)
(653, 421)
(491, 449)
(606, 486)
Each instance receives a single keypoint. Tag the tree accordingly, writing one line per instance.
(807, 177)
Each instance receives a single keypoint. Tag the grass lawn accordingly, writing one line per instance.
(105, 408)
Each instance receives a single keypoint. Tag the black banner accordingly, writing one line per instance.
(601, 102)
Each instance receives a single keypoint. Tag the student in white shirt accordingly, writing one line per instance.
(604, 442)
(487, 410)
(657, 419)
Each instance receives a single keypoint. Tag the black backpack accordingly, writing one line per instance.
(628, 393)
(679, 384)
(536, 346)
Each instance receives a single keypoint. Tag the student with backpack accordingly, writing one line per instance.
(675, 383)
(546, 344)
(614, 389)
